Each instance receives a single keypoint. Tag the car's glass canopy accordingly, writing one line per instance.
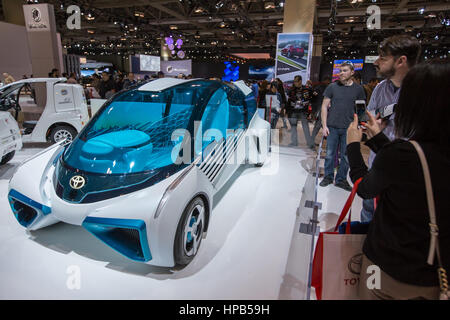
(133, 133)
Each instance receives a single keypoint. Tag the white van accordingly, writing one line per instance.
(46, 109)
(10, 139)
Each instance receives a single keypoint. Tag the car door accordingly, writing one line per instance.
(227, 123)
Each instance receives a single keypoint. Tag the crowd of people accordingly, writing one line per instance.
(396, 207)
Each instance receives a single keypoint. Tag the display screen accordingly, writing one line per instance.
(357, 64)
(149, 63)
(261, 73)
(87, 72)
(231, 72)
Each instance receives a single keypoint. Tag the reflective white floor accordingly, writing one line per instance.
(253, 249)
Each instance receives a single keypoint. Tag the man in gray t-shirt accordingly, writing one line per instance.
(341, 97)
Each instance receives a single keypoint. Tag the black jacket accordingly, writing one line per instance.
(399, 236)
(302, 94)
(106, 86)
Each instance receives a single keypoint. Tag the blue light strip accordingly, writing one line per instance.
(93, 224)
(30, 202)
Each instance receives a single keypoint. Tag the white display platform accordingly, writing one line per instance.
(252, 251)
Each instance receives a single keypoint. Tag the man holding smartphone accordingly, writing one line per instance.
(340, 96)
(397, 54)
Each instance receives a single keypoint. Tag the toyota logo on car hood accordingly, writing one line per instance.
(77, 182)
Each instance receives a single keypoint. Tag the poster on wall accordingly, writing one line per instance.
(36, 17)
(293, 56)
(357, 64)
(174, 68)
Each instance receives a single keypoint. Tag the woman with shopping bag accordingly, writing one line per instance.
(409, 237)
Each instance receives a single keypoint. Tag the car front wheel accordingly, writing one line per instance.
(61, 133)
(190, 231)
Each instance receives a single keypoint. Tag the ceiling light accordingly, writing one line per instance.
(173, 27)
(198, 10)
(421, 10)
(222, 24)
(219, 4)
(269, 5)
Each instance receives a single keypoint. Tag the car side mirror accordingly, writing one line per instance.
(3, 105)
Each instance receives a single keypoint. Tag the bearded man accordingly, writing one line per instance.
(397, 55)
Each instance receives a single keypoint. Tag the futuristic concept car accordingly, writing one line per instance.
(142, 173)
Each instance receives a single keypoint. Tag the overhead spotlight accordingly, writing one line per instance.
(222, 24)
(219, 4)
(269, 5)
(173, 27)
(421, 10)
(198, 10)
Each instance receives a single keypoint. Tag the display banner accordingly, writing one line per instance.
(174, 68)
(293, 56)
(36, 17)
(357, 64)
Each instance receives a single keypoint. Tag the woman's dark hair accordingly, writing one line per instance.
(423, 110)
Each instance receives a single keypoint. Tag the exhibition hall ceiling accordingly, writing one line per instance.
(222, 27)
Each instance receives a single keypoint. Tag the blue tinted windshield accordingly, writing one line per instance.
(133, 133)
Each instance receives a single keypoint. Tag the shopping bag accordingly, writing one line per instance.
(337, 259)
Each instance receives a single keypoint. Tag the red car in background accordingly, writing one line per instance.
(293, 51)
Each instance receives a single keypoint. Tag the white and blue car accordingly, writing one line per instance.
(142, 173)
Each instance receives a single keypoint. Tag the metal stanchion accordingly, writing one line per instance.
(311, 227)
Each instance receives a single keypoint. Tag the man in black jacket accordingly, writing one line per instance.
(299, 99)
(107, 85)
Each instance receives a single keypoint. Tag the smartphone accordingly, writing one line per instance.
(360, 110)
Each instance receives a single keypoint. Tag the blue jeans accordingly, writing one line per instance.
(367, 210)
(275, 116)
(335, 138)
(293, 119)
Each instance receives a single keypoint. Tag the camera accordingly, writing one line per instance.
(387, 111)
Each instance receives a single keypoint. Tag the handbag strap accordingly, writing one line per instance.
(347, 206)
(434, 230)
(434, 243)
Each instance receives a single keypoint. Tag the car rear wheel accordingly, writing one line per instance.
(190, 231)
(62, 132)
(7, 157)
